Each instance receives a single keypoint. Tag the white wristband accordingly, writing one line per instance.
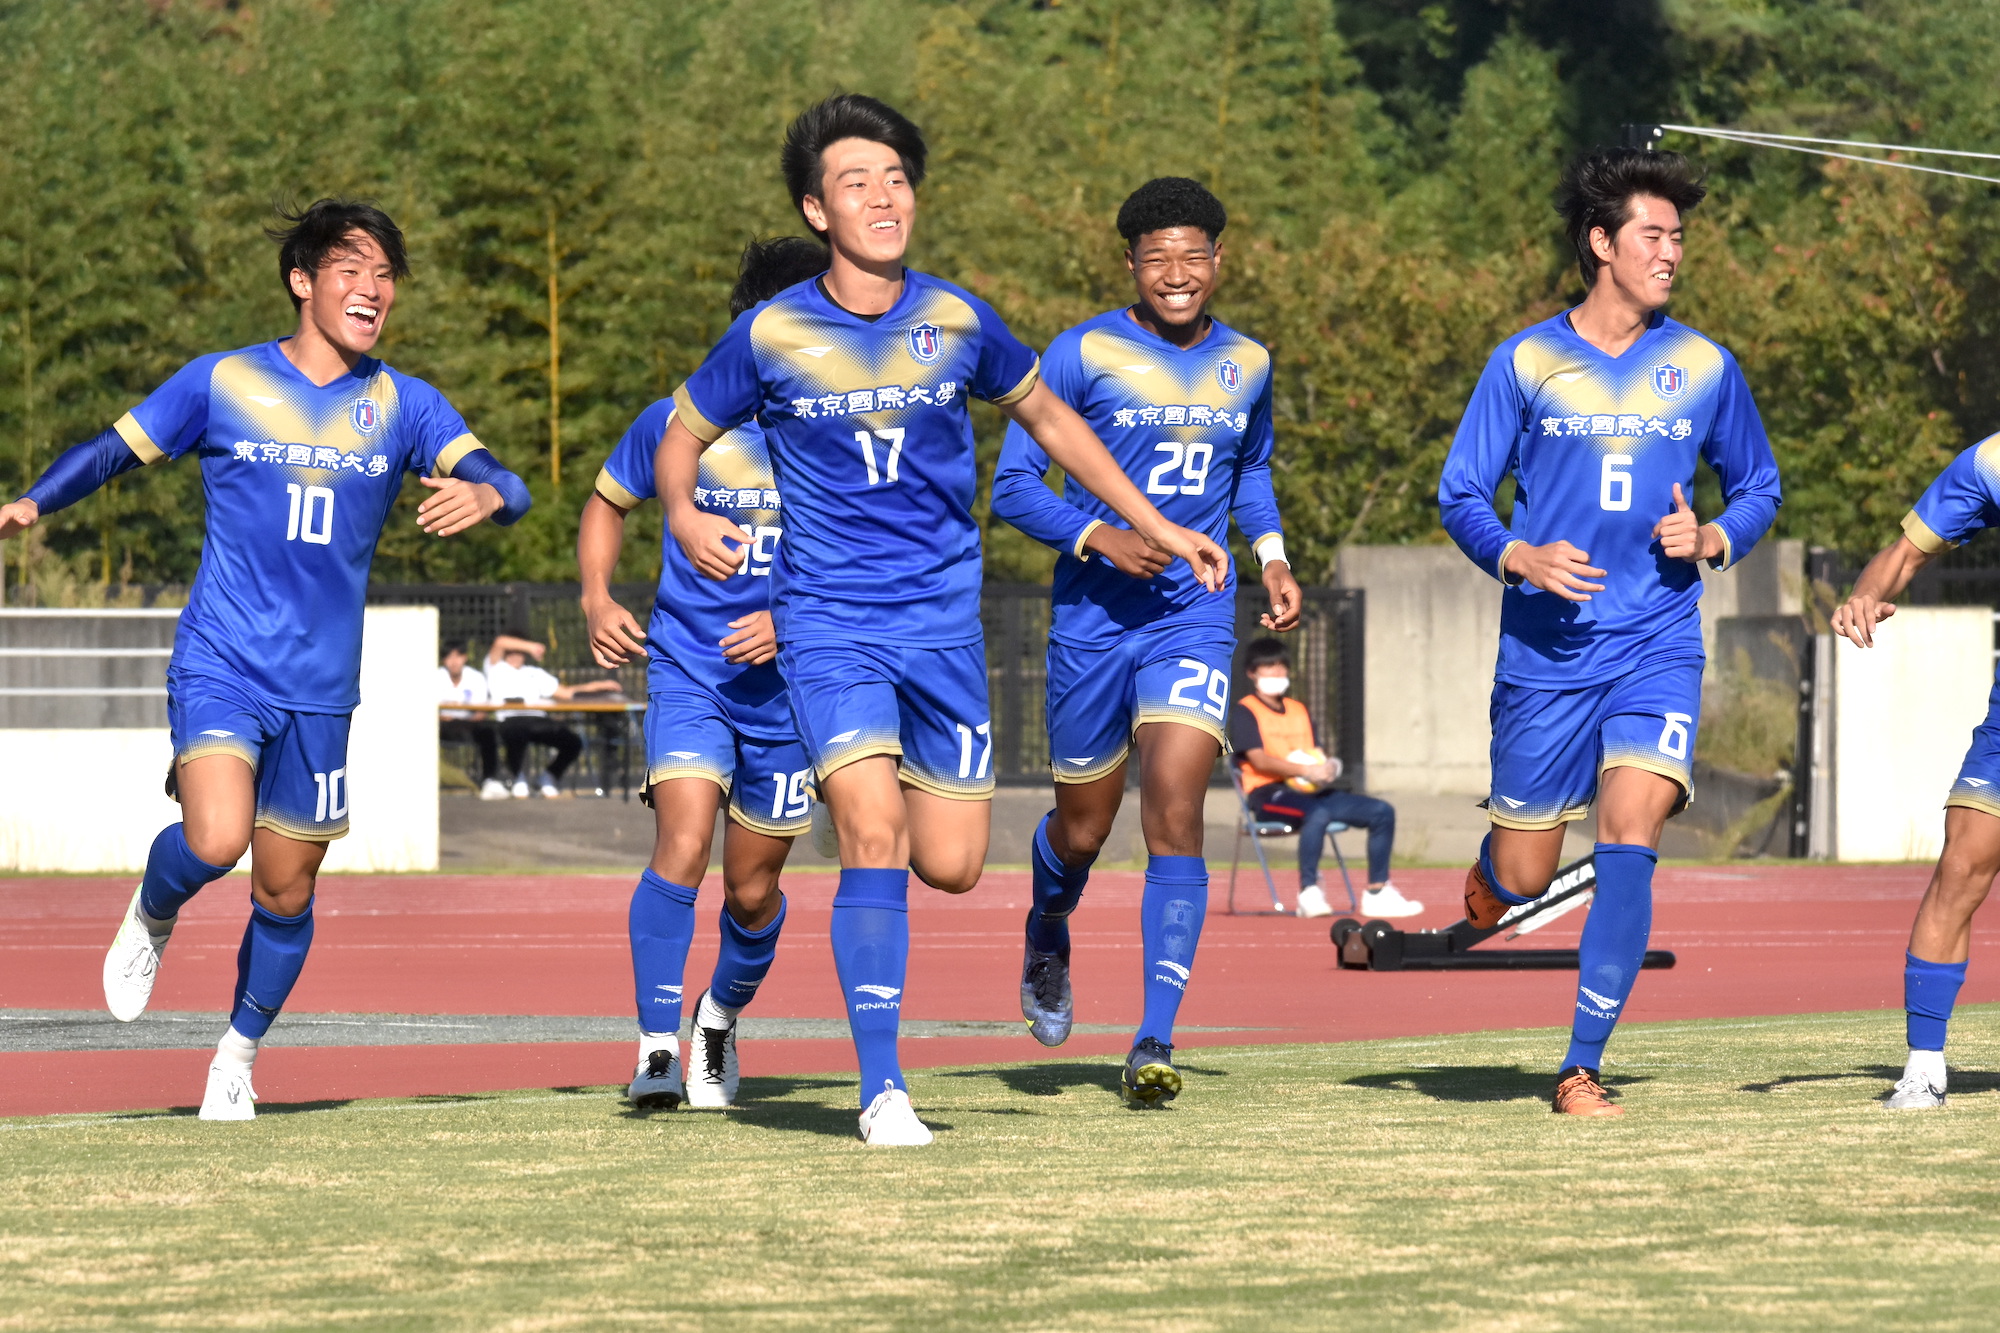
(1269, 547)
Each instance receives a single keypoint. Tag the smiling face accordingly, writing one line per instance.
(865, 205)
(1641, 260)
(347, 302)
(1175, 270)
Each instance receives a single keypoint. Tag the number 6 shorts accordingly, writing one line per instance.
(1551, 746)
(926, 706)
(300, 759)
(1169, 671)
(690, 734)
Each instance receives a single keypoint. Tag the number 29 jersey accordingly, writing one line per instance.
(1596, 444)
(871, 444)
(298, 479)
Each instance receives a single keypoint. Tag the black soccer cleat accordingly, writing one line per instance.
(1150, 1077)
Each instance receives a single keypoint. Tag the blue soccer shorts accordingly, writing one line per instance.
(1551, 746)
(1978, 784)
(300, 759)
(1098, 697)
(925, 705)
(689, 734)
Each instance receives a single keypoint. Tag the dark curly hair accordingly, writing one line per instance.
(1597, 191)
(1171, 201)
(771, 266)
(319, 231)
(845, 116)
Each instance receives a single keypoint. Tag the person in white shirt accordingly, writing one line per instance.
(509, 678)
(460, 684)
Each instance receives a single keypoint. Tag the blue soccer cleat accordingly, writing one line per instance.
(1046, 1002)
(1150, 1077)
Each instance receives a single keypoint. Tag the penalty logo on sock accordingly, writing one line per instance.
(885, 997)
(1604, 1003)
(672, 991)
(1180, 974)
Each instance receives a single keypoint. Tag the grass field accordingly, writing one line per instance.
(1410, 1184)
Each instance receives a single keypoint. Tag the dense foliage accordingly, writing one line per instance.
(577, 179)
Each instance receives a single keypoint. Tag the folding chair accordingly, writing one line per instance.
(1250, 826)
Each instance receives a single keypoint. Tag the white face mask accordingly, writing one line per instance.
(1273, 685)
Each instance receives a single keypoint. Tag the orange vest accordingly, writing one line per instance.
(1280, 732)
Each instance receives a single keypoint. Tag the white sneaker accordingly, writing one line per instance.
(826, 839)
(547, 786)
(1312, 902)
(520, 789)
(229, 1095)
(132, 964)
(1387, 901)
(1915, 1092)
(656, 1084)
(891, 1122)
(712, 1075)
(493, 789)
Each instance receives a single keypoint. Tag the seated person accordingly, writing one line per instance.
(1274, 740)
(460, 684)
(509, 679)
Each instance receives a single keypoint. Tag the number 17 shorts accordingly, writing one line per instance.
(1550, 747)
(927, 706)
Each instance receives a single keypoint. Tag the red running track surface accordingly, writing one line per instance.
(1751, 940)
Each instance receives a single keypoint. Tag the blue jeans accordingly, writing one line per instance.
(1313, 811)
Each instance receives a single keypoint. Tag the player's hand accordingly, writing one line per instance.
(706, 539)
(1558, 568)
(1126, 551)
(18, 517)
(754, 642)
(615, 638)
(458, 505)
(1208, 561)
(1285, 598)
(1857, 617)
(1682, 537)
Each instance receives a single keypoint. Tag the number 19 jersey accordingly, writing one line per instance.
(871, 445)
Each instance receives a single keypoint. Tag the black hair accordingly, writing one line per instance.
(771, 266)
(319, 231)
(1171, 201)
(1598, 189)
(1265, 652)
(455, 646)
(845, 116)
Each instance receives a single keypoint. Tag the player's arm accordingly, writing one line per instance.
(1953, 507)
(1022, 497)
(1068, 441)
(1873, 598)
(623, 484)
(1481, 455)
(472, 488)
(1255, 508)
(78, 472)
(713, 544)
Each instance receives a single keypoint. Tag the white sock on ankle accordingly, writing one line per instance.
(235, 1048)
(1928, 1063)
(709, 1014)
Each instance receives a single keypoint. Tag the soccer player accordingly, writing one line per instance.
(718, 723)
(859, 379)
(1599, 414)
(1139, 651)
(303, 443)
(1964, 499)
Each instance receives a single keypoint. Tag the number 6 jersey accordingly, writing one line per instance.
(298, 480)
(1596, 444)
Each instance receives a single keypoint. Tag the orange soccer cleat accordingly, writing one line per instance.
(1579, 1093)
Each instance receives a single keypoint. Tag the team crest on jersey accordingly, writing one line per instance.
(365, 416)
(925, 343)
(1231, 375)
(1669, 380)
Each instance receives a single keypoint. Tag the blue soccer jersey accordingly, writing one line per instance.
(1190, 425)
(871, 442)
(691, 612)
(298, 480)
(1596, 444)
(1964, 498)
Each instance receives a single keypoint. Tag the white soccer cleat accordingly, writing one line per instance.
(493, 789)
(1915, 1092)
(891, 1122)
(712, 1076)
(229, 1095)
(1312, 902)
(131, 965)
(657, 1084)
(826, 840)
(1387, 901)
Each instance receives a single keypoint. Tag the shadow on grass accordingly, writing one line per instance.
(1054, 1079)
(761, 1104)
(1477, 1083)
(1962, 1080)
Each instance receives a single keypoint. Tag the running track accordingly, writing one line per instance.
(1751, 940)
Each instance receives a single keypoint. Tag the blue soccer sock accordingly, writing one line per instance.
(267, 966)
(1929, 992)
(174, 874)
(1614, 946)
(871, 952)
(662, 928)
(1492, 876)
(1170, 917)
(1054, 891)
(744, 958)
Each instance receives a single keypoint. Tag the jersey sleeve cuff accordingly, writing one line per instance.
(1728, 556)
(1921, 536)
(1076, 547)
(614, 494)
(454, 453)
(1021, 390)
(690, 416)
(137, 440)
(1500, 564)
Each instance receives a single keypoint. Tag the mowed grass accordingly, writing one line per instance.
(1413, 1184)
